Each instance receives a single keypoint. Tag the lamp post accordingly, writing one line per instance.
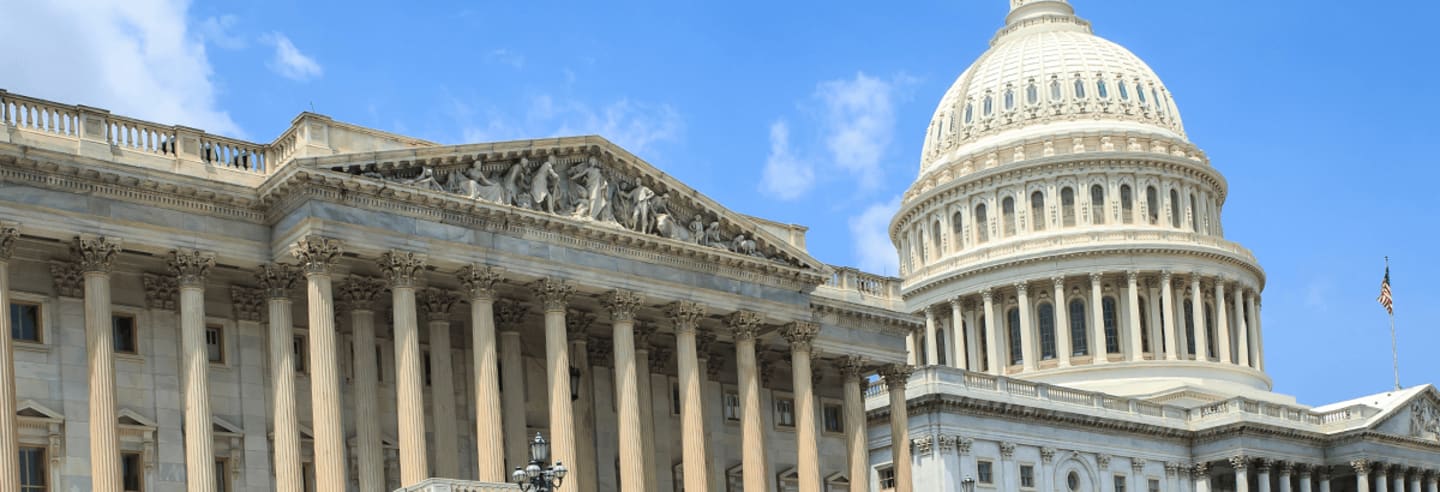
(536, 477)
(967, 485)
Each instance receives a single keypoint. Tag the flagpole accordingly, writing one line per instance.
(1394, 350)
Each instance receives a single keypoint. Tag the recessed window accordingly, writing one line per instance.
(1127, 204)
(1140, 91)
(1124, 92)
(988, 106)
(1073, 481)
(1174, 209)
(222, 475)
(1055, 93)
(1078, 336)
(1097, 204)
(1079, 87)
(301, 351)
(1102, 90)
(1027, 476)
(1152, 204)
(732, 406)
(982, 224)
(33, 476)
(132, 477)
(985, 472)
(126, 339)
(834, 418)
(887, 478)
(785, 412)
(215, 344)
(1112, 331)
(1032, 94)
(25, 322)
(1046, 315)
(1119, 483)
(1007, 212)
(969, 113)
(1067, 206)
(1037, 211)
(1017, 351)
(1009, 99)
(1154, 485)
(957, 230)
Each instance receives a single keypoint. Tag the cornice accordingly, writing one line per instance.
(862, 313)
(1029, 415)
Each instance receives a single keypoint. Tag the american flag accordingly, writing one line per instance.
(1385, 293)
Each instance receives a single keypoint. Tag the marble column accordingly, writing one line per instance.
(1399, 478)
(912, 352)
(622, 306)
(1137, 475)
(686, 318)
(190, 269)
(995, 361)
(896, 376)
(401, 270)
(745, 325)
(1197, 317)
(479, 284)
(1201, 476)
(1382, 479)
(1432, 482)
(801, 335)
(1241, 464)
(1242, 331)
(9, 430)
(554, 295)
(358, 295)
(1172, 475)
(1287, 470)
(278, 280)
(1167, 310)
(646, 361)
(1222, 323)
(1262, 465)
(1157, 336)
(857, 442)
(1305, 475)
(1064, 344)
(577, 329)
(317, 256)
(511, 316)
(1027, 329)
(1415, 476)
(1257, 341)
(957, 333)
(972, 337)
(1362, 475)
(438, 304)
(1132, 292)
(96, 256)
(1099, 346)
(1322, 478)
(932, 348)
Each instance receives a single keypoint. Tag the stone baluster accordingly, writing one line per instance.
(745, 325)
(1167, 309)
(9, 430)
(479, 283)
(96, 257)
(511, 315)
(686, 317)
(554, 295)
(852, 369)
(317, 256)
(896, 377)
(401, 270)
(437, 304)
(1065, 344)
(277, 280)
(358, 295)
(190, 269)
(801, 335)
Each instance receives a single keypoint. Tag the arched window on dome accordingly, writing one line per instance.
(1190, 327)
(1079, 87)
(1159, 103)
(1078, 334)
(969, 113)
(1124, 91)
(1032, 93)
(982, 224)
(1102, 90)
(1152, 204)
(1067, 206)
(1175, 209)
(1017, 352)
(957, 231)
(1127, 204)
(1007, 214)
(1009, 99)
(1140, 91)
(924, 250)
(1097, 204)
(1210, 331)
(988, 106)
(1144, 325)
(1112, 326)
(1046, 315)
(1037, 211)
(1194, 214)
(1056, 94)
(936, 240)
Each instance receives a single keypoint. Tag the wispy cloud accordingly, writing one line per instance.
(289, 62)
(507, 57)
(786, 177)
(220, 31)
(136, 58)
(859, 123)
(871, 233)
(638, 126)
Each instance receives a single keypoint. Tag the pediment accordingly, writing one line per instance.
(132, 418)
(221, 426)
(33, 409)
(588, 180)
(1417, 417)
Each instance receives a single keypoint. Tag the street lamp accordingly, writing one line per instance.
(967, 485)
(536, 477)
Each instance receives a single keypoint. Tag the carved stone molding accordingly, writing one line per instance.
(704, 343)
(1240, 462)
(95, 254)
(401, 269)
(1286, 468)
(9, 235)
(685, 315)
(1007, 450)
(316, 254)
(160, 291)
(1361, 466)
(577, 326)
(853, 368)
(1201, 470)
(553, 293)
(800, 334)
(69, 280)
(744, 324)
(510, 314)
(277, 279)
(964, 445)
(479, 281)
(1137, 465)
(1263, 464)
(1103, 460)
(896, 376)
(644, 333)
(1047, 455)
(359, 293)
(248, 303)
(922, 445)
(622, 304)
(1172, 468)
(190, 267)
(438, 303)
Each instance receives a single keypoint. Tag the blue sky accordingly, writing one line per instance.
(1320, 113)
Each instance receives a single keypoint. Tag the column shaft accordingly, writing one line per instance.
(1242, 480)
(752, 437)
(9, 432)
(692, 425)
(199, 445)
(282, 394)
(369, 449)
(557, 375)
(932, 352)
(489, 425)
(1027, 330)
(329, 444)
(1132, 292)
(1197, 317)
(442, 398)
(1222, 323)
(1065, 344)
(1362, 482)
(856, 437)
(896, 378)
(100, 348)
(801, 335)
(995, 362)
(1167, 310)
(957, 331)
(1099, 345)
(1257, 332)
(1242, 330)
(512, 369)
(632, 448)
(409, 387)
(647, 415)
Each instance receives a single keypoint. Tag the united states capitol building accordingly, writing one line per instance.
(346, 309)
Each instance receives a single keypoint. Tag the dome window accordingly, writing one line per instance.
(1159, 103)
(1067, 206)
(1037, 211)
(1194, 214)
(1079, 87)
(1127, 204)
(1140, 91)
(1032, 94)
(1108, 314)
(1124, 92)
(1079, 336)
(982, 224)
(1097, 204)
(988, 106)
(969, 113)
(1174, 209)
(1055, 93)
(1102, 90)
(957, 231)
(1152, 204)
(1007, 210)
(1009, 99)
(1046, 315)
(1017, 352)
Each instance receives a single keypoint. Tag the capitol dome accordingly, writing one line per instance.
(1063, 228)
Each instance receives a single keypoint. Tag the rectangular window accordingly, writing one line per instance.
(215, 343)
(674, 397)
(785, 412)
(25, 322)
(1027, 476)
(132, 477)
(126, 341)
(307, 475)
(301, 351)
(222, 475)
(32, 470)
(732, 406)
(887, 478)
(834, 417)
(1154, 485)
(1119, 483)
(984, 471)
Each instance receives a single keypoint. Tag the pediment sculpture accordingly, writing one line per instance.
(1425, 420)
(581, 187)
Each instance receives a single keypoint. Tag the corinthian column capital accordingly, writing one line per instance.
(316, 254)
(622, 304)
(190, 267)
(249, 304)
(1361, 466)
(277, 279)
(1241, 462)
(479, 281)
(577, 326)
(553, 293)
(853, 368)
(401, 268)
(359, 293)
(686, 315)
(160, 291)
(896, 376)
(744, 324)
(9, 235)
(800, 334)
(95, 254)
(510, 314)
(438, 303)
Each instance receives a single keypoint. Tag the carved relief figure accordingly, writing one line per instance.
(473, 184)
(595, 202)
(697, 229)
(668, 227)
(511, 182)
(641, 218)
(541, 194)
(426, 180)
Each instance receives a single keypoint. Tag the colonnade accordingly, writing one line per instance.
(1069, 320)
(500, 425)
(1293, 476)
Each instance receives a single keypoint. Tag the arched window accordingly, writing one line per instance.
(1112, 329)
(969, 113)
(983, 351)
(1102, 90)
(1210, 332)
(1097, 204)
(1159, 104)
(1032, 93)
(924, 250)
(1127, 205)
(1079, 87)
(1037, 211)
(1009, 99)
(1017, 353)
(936, 239)
(1190, 326)
(1152, 204)
(1067, 206)
(1144, 327)
(957, 231)
(1124, 92)
(988, 106)
(1078, 338)
(1140, 91)
(1194, 213)
(1046, 316)
(1055, 93)
(1175, 209)
(941, 345)
(982, 224)
(1007, 212)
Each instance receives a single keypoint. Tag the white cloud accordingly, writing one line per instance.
(289, 62)
(786, 177)
(219, 31)
(637, 126)
(507, 57)
(135, 58)
(859, 123)
(871, 234)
